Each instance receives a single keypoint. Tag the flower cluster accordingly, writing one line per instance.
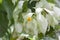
(45, 15)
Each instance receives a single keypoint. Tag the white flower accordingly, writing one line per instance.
(12, 28)
(0, 38)
(51, 4)
(38, 10)
(17, 10)
(57, 12)
(43, 3)
(34, 38)
(49, 12)
(30, 24)
(27, 17)
(59, 37)
(58, 3)
(21, 36)
(24, 35)
(42, 21)
(18, 27)
(31, 27)
(20, 4)
(51, 18)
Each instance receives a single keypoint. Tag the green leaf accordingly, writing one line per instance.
(6, 9)
(20, 18)
(57, 27)
(26, 38)
(40, 36)
(11, 22)
(0, 1)
(3, 23)
(34, 16)
(1, 8)
(33, 3)
(16, 3)
(25, 6)
(51, 32)
(51, 1)
(9, 7)
(32, 9)
(44, 13)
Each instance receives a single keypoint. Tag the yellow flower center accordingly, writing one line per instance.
(29, 18)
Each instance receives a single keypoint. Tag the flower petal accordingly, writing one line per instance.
(18, 27)
(42, 21)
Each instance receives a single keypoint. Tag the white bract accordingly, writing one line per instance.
(20, 4)
(22, 36)
(17, 10)
(27, 15)
(14, 1)
(31, 27)
(51, 18)
(18, 27)
(42, 21)
(38, 10)
(0, 38)
(58, 3)
(43, 4)
(57, 12)
(59, 37)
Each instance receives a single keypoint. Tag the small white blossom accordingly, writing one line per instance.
(20, 4)
(31, 28)
(0, 38)
(57, 12)
(38, 10)
(43, 3)
(51, 18)
(18, 27)
(42, 21)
